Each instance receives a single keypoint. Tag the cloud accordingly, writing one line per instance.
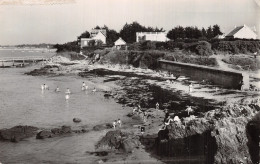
(35, 2)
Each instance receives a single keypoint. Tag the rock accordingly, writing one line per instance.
(117, 139)
(66, 129)
(17, 133)
(76, 120)
(56, 131)
(44, 134)
(128, 145)
(103, 127)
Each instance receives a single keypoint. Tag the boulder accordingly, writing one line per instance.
(103, 126)
(44, 134)
(66, 129)
(119, 140)
(17, 133)
(130, 144)
(76, 120)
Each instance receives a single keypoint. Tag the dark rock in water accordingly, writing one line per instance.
(76, 120)
(44, 134)
(56, 131)
(17, 133)
(119, 140)
(99, 153)
(66, 129)
(103, 126)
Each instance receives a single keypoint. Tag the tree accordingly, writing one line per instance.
(85, 34)
(216, 30)
(209, 33)
(128, 32)
(97, 27)
(177, 32)
(112, 35)
(203, 32)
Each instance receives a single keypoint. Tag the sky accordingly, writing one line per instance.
(61, 23)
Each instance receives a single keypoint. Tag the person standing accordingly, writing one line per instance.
(114, 124)
(157, 106)
(119, 122)
(83, 86)
(190, 88)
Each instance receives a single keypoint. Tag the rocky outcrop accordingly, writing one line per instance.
(119, 140)
(58, 132)
(17, 133)
(221, 136)
(103, 126)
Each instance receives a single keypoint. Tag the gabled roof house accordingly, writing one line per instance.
(242, 32)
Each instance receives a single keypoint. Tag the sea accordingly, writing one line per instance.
(22, 102)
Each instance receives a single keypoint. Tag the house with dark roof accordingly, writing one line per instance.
(242, 32)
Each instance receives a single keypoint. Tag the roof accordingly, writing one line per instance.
(233, 32)
(120, 40)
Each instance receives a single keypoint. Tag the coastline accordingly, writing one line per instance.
(117, 78)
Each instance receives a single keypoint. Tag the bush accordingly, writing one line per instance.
(70, 46)
(237, 46)
(244, 63)
(202, 48)
(199, 60)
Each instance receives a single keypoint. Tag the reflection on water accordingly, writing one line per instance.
(24, 103)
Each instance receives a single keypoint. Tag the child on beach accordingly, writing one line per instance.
(190, 88)
(157, 106)
(189, 110)
(42, 87)
(119, 122)
(114, 124)
(83, 86)
(168, 120)
(68, 91)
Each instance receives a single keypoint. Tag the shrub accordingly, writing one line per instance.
(237, 46)
(244, 63)
(202, 48)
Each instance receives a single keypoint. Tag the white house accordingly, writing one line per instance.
(242, 32)
(152, 36)
(96, 35)
(119, 43)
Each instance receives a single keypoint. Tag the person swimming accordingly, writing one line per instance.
(42, 87)
(68, 91)
(57, 89)
(46, 87)
(94, 90)
(86, 87)
(67, 97)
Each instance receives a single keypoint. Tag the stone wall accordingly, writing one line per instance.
(225, 79)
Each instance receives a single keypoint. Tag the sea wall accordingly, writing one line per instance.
(225, 79)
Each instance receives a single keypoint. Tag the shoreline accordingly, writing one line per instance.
(180, 86)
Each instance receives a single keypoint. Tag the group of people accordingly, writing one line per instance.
(117, 123)
(84, 87)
